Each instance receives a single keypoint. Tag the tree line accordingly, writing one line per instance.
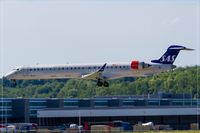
(180, 80)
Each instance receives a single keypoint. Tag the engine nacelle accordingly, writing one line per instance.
(136, 65)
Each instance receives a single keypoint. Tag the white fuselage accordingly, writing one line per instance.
(111, 71)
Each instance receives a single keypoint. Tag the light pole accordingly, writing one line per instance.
(79, 117)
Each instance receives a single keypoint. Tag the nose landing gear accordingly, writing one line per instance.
(13, 83)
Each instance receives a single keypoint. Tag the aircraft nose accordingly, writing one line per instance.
(10, 74)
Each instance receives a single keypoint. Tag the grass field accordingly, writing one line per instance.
(169, 132)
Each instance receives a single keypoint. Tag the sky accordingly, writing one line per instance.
(96, 31)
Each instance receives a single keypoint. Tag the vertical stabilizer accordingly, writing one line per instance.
(170, 55)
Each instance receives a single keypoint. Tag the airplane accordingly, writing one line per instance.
(99, 72)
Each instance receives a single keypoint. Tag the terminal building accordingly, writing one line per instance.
(178, 111)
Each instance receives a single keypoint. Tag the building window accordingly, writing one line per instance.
(101, 103)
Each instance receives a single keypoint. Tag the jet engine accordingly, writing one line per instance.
(136, 65)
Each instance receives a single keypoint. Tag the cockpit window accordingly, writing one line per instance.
(17, 69)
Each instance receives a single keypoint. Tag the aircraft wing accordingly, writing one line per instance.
(95, 75)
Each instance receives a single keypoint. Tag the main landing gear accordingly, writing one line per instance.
(102, 83)
(13, 83)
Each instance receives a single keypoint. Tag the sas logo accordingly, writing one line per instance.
(169, 58)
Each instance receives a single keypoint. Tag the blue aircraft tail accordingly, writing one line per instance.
(170, 55)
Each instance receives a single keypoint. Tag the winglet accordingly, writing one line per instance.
(102, 68)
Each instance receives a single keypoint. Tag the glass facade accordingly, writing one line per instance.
(5, 108)
(36, 104)
(185, 102)
(101, 102)
(153, 102)
(128, 102)
(71, 102)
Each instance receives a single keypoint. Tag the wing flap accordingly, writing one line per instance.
(94, 75)
(91, 76)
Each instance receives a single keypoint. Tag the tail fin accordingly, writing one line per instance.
(170, 55)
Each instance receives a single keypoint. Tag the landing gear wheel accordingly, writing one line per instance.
(106, 84)
(99, 83)
(13, 83)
